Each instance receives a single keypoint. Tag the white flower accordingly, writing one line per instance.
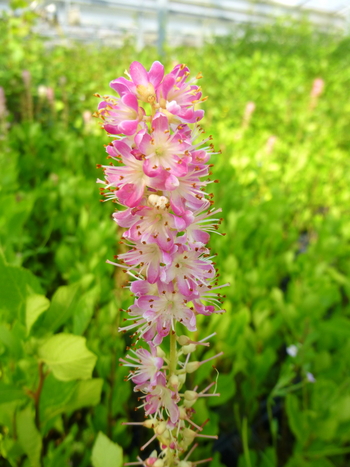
(292, 350)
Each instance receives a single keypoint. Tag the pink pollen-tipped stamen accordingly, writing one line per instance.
(135, 463)
(202, 461)
(194, 424)
(211, 358)
(209, 395)
(148, 442)
(209, 337)
(132, 423)
(191, 451)
(207, 388)
(207, 436)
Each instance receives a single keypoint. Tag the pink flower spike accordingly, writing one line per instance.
(159, 174)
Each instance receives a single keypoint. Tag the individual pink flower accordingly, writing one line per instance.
(178, 96)
(150, 223)
(121, 116)
(129, 180)
(187, 267)
(163, 150)
(143, 84)
(145, 366)
(148, 257)
(162, 398)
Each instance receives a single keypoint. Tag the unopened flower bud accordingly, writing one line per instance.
(190, 398)
(182, 412)
(183, 340)
(158, 463)
(191, 395)
(174, 381)
(165, 438)
(150, 423)
(159, 430)
(158, 201)
(192, 366)
(160, 352)
(188, 435)
(186, 349)
(150, 462)
(182, 379)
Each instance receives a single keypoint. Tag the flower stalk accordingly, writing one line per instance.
(173, 354)
(159, 177)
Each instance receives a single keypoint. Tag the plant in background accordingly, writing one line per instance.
(160, 179)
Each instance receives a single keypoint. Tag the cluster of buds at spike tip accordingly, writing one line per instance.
(159, 175)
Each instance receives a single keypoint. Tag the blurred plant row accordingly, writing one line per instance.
(278, 110)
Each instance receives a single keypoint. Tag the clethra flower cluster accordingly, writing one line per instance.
(159, 176)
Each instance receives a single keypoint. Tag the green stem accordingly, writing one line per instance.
(37, 394)
(245, 442)
(173, 354)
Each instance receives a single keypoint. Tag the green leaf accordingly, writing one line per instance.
(12, 339)
(7, 414)
(86, 394)
(58, 396)
(226, 388)
(9, 393)
(238, 323)
(68, 357)
(28, 436)
(62, 306)
(35, 306)
(84, 311)
(105, 453)
(14, 282)
(54, 398)
(341, 409)
(297, 419)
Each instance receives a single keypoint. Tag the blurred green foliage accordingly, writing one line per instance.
(285, 173)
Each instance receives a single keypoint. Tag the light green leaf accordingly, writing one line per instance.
(67, 357)
(29, 436)
(35, 306)
(86, 394)
(105, 453)
(62, 306)
(54, 398)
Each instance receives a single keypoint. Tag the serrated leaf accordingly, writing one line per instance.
(105, 453)
(68, 357)
(35, 306)
(62, 306)
(29, 436)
